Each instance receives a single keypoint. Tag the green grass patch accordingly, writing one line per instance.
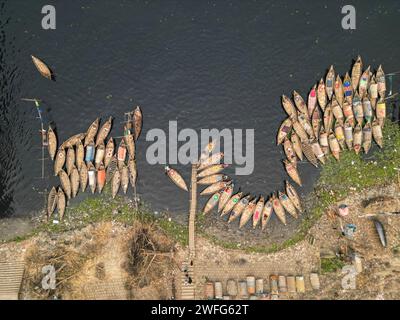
(329, 265)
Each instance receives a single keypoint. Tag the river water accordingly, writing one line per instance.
(205, 64)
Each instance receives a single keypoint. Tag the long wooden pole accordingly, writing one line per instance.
(193, 208)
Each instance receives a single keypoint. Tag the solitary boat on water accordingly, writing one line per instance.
(43, 69)
(176, 178)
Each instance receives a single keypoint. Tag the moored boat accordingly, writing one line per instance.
(289, 107)
(60, 160)
(358, 109)
(52, 143)
(124, 178)
(109, 152)
(357, 138)
(43, 69)
(334, 146)
(226, 194)
(339, 134)
(132, 172)
(364, 82)
(328, 118)
(312, 100)
(65, 183)
(278, 209)
(92, 176)
(300, 104)
(92, 131)
(176, 178)
(291, 169)
(284, 130)
(381, 112)
(337, 111)
(309, 153)
(348, 88)
(266, 214)
(287, 204)
(299, 130)
(305, 123)
(115, 183)
(373, 92)
(99, 158)
(238, 208)
(296, 143)
(83, 177)
(215, 187)
(210, 161)
(80, 154)
(90, 151)
(377, 133)
(121, 153)
(247, 213)
(130, 143)
(230, 203)
(381, 81)
(72, 141)
(367, 137)
(213, 179)
(329, 82)
(214, 169)
(348, 135)
(258, 212)
(138, 121)
(339, 91)
(289, 151)
(316, 121)
(112, 166)
(212, 202)
(104, 131)
(51, 202)
(367, 109)
(356, 73)
(321, 94)
(348, 113)
(61, 203)
(293, 196)
(324, 142)
(316, 148)
(101, 177)
(74, 177)
(70, 161)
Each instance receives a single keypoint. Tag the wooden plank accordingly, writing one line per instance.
(11, 273)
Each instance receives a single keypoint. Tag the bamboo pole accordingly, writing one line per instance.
(193, 208)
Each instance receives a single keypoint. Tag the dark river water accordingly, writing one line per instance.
(205, 64)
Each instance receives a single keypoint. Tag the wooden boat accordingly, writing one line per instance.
(328, 118)
(358, 109)
(316, 148)
(266, 214)
(289, 107)
(138, 121)
(65, 183)
(357, 138)
(279, 210)
(258, 212)
(321, 95)
(80, 155)
(109, 152)
(74, 177)
(231, 203)
(356, 73)
(296, 143)
(104, 131)
(130, 143)
(238, 208)
(73, 141)
(92, 177)
(83, 177)
(337, 111)
(348, 135)
(247, 213)
(60, 160)
(51, 202)
(215, 187)
(367, 109)
(381, 81)
(334, 146)
(312, 100)
(121, 154)
(339, 134)
(92, 131)
(52, 143)
(291, 169)
(43, 69)
(373, 92)
(316, 121)
(293, 196)
(212, 202)
(61, 203)
(329, 82)
(213, 179)
(210, 161)
(226, 194)
(299, 130)
(287, 204)
(305, 123)
(124, 178)
(367, 137)
(348, 113)
(214, 169)
(364, 82)
(99, 158)
(309, 153)
(70, 161)
(348, 89)
(115, 183)
(339, 91)
(289, 151)
(90, 151)
(324, 142)
(101, 177)
(112, 166)
(377, 133)
(300, 104)
(284, 130)
(381, 112)
(176, 178)
(132, 172)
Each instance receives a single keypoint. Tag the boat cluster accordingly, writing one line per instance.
(237, 205)
(87, 159)
(339, 115)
